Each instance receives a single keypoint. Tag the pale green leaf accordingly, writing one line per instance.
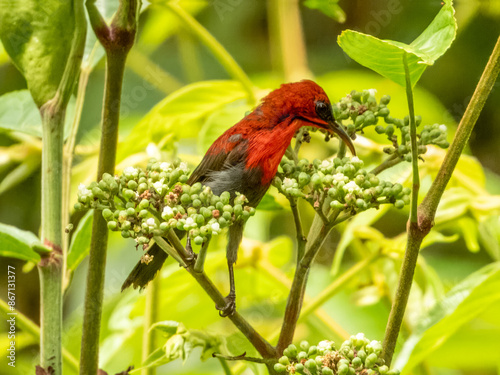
(330, 8)
(80, 242)
(20, 173)
(17, 243)
(180, 114)
(462, 304)
(386, 56)
(167, 327)
(18, 112)
(37, 36)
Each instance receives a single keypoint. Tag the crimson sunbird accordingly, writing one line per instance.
(245, 159)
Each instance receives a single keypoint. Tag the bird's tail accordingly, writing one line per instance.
(143, 273)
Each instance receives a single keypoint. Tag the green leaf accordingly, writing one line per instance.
(462, 304)
(269, 203)
(32, 34)
(80, 242)
(167, 327)
(180, 114)
(18, 112)
(386, 56)
(17, 243)
(328, 7)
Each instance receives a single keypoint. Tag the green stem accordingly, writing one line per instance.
(117, 40)
(50, 268)
(25, 324)
(294, 304)
(219, 52)
(414, 149)
(150, 317)
(225, 366)
(200, 260)
(301, 239)
(427, 209)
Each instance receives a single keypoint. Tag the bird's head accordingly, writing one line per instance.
(306, 103)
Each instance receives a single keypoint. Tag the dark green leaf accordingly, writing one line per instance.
(269, 203)
(386, 56)
(17, 243)
(35, 35)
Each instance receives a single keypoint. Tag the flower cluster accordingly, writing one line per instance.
(348, 186)
(358, 355)
(363, 110)
(146, 203)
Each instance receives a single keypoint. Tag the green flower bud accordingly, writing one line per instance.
(126, 225)
(128, 194)
(142, 188)
(78, 206)
(304, 179)
(224, 197)
(362, 355)
(383, 112)
(125, 233)
(164, 226)
(192, 211)
(397, 188)
(278, 367)
(144, 204)
(219, 206)
(302, 355)
(371, 119)
(361, 204)
(284, 360)
(311, 366)
(238, 209)
(227, 208)
(130, 211)
(304, 345)
(112, 225)
(185, 198)
(103, 185)
(383, 370)
(183, 179)
(107, 214)
(198, 240)
(371, 360)
(385, 99)
(196, 188)
(342, 370)
(313, 350)
(359, 120)
(326, 371)
(402, 149)
(389, 130)
(357, 362)
(299, 368)
(222, 222)
(132, 185)
(196, 203)
(292, 350)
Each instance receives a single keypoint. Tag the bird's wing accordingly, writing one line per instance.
(231, 154)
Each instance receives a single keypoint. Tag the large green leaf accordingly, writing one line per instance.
(18, 112)
(462, 304)
(386, 56)
(17, 243)
(181, 113)
(35, 35)
(80, 242)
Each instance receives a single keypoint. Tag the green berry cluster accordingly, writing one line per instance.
(358, 355)
(348, 186)
(363, 110)
(146, 203)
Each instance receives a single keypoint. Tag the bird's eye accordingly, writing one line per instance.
(324, 110)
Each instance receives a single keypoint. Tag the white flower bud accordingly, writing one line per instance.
(215, 228)
(82, 190)
(165, 167)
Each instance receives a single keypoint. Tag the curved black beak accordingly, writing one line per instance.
(335, 128)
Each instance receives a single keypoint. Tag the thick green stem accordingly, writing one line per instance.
(426, 211)
(219, 52)
(50, 268)
(117, 40)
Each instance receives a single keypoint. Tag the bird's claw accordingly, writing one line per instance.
(229, 307)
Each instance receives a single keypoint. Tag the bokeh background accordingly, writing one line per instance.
(275, 42)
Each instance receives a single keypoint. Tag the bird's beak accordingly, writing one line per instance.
(333, 127)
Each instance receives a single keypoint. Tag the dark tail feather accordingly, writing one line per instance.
(143, 273)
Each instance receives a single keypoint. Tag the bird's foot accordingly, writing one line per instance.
(229, 307)
(191, 255)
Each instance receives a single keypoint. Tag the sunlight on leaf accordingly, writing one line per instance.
(386, 56)
(17, 243)
(80, 242)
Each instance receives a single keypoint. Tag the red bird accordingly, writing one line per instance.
(245, 159)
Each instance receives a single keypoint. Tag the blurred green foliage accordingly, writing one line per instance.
(177, 99)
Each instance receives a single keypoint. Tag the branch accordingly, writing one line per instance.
(427, 209)
(263, 347)
(117, 39)
(301, 239)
